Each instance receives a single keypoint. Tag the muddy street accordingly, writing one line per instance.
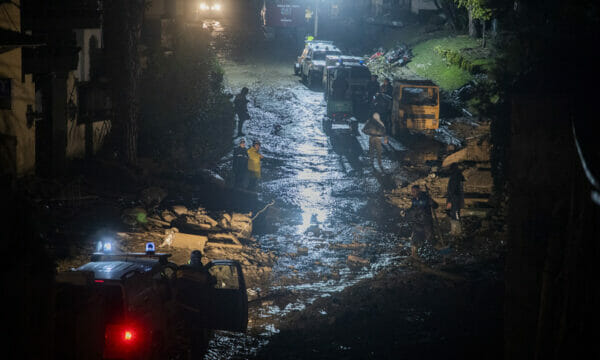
(329, 224)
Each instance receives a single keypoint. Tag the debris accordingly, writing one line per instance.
(168, 216)
(152, 196)
(474, 151)
(205, 219)
(355, 260)
(223, 240)
(158, 222)
(241, 225)
(169, 236)
(180, 210)
(189, 241)
(134, 216)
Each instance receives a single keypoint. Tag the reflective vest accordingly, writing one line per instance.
(254, 162)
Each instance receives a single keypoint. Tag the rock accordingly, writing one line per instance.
(474, 151)
(180, 210)
(205, 219)
(355, 260)
(302, 251)
(152, 196)
(167, 216)
(189, 241)
(225, 222)
(241, 225)
(169, 237)
(224, 240)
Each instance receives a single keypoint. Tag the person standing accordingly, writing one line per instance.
(376, 130)
(455, 199)
(420, 215)
(240, 105)
(372, 88)
(387, 88)
(254, 158)
(240, 164)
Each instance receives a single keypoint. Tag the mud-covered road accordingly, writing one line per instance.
(341, 258)
(328, 204)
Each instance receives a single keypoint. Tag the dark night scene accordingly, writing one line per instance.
(300, 179)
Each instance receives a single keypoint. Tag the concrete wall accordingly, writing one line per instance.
(10, 16)
(13, 121)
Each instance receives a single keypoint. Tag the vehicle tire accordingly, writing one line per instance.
(296, 70)
(303, 78)
(310, 80)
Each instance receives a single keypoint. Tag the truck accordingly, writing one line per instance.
(415, 105)
(343, 109)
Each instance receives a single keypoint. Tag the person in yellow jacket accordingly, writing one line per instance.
(254, 157)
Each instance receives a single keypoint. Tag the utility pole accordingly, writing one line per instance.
(316, 18)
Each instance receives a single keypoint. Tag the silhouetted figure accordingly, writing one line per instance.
(372, 88)
(420, 215)
(455, 199)
(376, 130)
(240, 105)
(240, 164)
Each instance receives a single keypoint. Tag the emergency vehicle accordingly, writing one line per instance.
(129, 307)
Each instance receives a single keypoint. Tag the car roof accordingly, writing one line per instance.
(115, 269)
(322, 45)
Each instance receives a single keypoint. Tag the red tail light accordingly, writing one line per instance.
(120, 340)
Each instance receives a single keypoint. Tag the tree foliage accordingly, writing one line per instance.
(187, 119)
(479, 9)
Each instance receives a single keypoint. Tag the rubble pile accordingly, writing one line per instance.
(179, 230)
(387, 62)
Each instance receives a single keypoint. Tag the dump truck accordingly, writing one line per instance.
(415, 105)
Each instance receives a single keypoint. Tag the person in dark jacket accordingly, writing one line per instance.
(383, 106)
(455, 198)
(420, 215)
(387, 88)
(240, 164)
(372, 87)
(240, 105)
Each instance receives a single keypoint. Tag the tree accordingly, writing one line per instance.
(478, 10)
(123, 24)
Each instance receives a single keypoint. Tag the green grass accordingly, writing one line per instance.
(430, 64)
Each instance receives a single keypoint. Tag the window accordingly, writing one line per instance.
(419, 96)
(5, 94)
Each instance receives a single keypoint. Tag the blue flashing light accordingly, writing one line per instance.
(104, 245)
(150, 248)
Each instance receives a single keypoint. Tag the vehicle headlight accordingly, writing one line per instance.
(203, 6)
(216, 7)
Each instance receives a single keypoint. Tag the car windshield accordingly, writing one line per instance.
(320, 55)
(419, 96)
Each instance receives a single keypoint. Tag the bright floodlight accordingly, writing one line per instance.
(216, 7)
(204, 6)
